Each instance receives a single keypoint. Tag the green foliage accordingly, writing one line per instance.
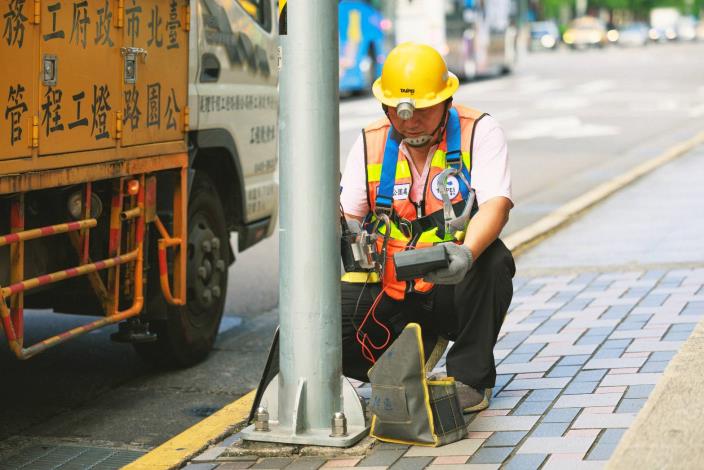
(640, 8)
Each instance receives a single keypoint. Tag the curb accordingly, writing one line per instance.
(177, 450)
(173, 453)
(523, 239)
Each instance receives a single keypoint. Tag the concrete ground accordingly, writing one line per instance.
(599, 311)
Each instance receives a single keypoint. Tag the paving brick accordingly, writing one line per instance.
(644, 345)
(503, 423)
(624, 370)
(273, 462)
(525, 462)
(588, 340)
(491, 455)
(532, 384)
(608, 353)
(479, 435)
(598, 410)
(615, 420)
(631, 379)
(411, 463)
(531, 375)
(654, 366)
(379, 445)
(615, 363)
(676, 336)
(630, 405)
(512, 393)
(561, 415)
(505, 438)
(639, 391)
(619, 389)
(546, 394)
(662, 355)
(555, 445)
(612, 435)
(530, 367)
(590, 375)
(549, 429)
(342, 462)
(382, 457)
(583, 433)
(514, 358)
(616, 343)
(574, 360)
(306, 463)
(563, 371)
(553, 325)
(591, 399)
(577, 388)
(541, 339)
(504, 403)
(567, 350)
(530, 346)
(650, 333)
(450, 459)
(602, 451)
(492, 412)
(199, 466)
(464, 447)
(554, 463)
(688, 327)
(532, 408)
(234, 465)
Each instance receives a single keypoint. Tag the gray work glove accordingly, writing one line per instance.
(460, 263)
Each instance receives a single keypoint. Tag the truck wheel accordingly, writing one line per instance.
(187, 335)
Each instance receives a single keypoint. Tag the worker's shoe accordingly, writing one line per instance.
(435, 355)
(472, 400)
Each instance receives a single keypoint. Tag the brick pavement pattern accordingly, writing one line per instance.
(576, 359)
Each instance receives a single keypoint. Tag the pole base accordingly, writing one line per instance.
(357, 427)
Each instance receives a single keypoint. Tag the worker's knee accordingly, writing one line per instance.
(496, 261)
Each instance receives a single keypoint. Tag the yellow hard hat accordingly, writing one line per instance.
(414, 72)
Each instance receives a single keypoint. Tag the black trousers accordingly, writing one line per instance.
(469, 313)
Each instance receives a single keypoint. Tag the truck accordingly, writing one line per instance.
(663, 23)
(135, 137)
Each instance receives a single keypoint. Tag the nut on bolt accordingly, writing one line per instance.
(261, 420)
(339, 425)
(216, 243)
(207, 246)
(220, 265)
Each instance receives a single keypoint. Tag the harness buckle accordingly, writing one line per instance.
(454, 223)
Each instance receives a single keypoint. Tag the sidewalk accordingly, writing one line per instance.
(599, 310)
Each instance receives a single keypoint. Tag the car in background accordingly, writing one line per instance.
(633, 34)
(544, 35)
(686, 28)
(584, 32)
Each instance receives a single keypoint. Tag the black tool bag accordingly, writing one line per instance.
(407, 407)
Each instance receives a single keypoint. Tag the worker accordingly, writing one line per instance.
(392, 170)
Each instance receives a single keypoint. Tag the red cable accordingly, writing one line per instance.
(366, 351)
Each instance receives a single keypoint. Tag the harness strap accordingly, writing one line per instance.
(453, 156)
(385, 193)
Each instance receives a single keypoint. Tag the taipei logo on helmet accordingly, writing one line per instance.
(410, 91)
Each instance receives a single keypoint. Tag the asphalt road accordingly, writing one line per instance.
(573, 119)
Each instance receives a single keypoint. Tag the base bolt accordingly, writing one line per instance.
(261, 420)
(216, 243)
(216, 292)
(207, 295)
(220, 265)
(339, 425)
(206, 246)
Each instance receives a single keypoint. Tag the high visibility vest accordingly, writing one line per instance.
(415, 224)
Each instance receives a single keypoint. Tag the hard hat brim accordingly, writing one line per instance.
(453, 84)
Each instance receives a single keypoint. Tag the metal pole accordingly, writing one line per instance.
(310, 390)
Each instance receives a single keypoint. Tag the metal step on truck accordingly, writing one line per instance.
(135, 136)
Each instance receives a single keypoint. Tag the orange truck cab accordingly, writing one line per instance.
(135, 136)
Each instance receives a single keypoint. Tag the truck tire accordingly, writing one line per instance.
(188, 334)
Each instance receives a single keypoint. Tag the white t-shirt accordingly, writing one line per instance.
(491, 176)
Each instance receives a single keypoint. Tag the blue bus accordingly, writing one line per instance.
(363, 44)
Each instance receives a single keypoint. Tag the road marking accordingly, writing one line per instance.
(174, 452)
(697, 111)
(565, 127)
(593, 87)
